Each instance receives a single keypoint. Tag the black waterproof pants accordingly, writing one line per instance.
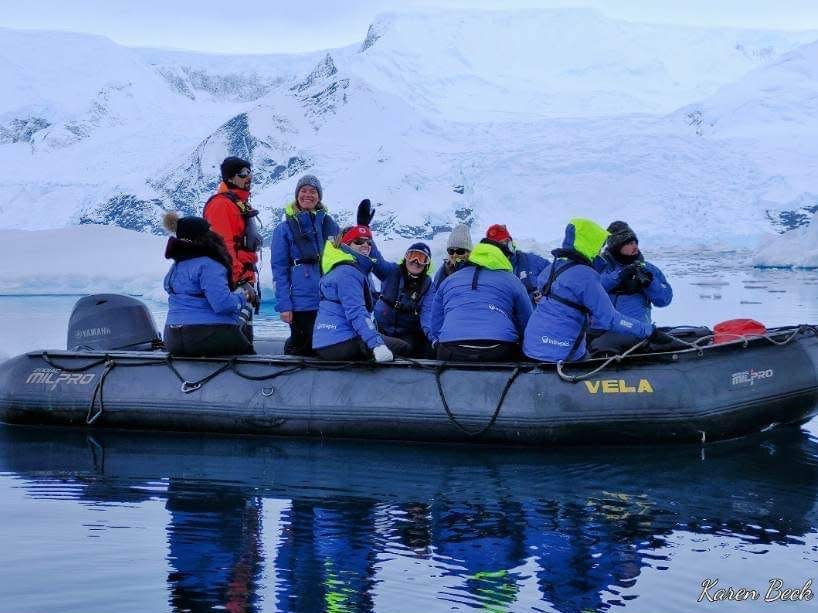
(300, 341)
(478, 351)
(206, 340)
(356, 349)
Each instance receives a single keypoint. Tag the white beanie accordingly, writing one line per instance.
(460, 238)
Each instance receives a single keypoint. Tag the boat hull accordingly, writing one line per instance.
(689, 396)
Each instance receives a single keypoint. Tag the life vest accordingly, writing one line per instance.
(308, 250)
(399, 300)
(250, 239)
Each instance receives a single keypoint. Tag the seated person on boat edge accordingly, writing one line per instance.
(632, 283)
(404, 307)
(526, 266)
(207, 313)
(480, 311)
(345, 326)
(572, 295)
(458, 248)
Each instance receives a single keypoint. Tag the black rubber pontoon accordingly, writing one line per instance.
(696, 395)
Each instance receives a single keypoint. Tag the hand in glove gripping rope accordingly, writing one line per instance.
(382, 354)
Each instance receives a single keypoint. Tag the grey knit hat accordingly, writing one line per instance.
(460, 238)
(312, 181)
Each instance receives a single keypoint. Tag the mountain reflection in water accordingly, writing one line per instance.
(263, 524)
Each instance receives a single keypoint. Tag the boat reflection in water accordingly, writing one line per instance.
(356, 524)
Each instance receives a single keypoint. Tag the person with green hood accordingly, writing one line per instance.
(572, 294)
(345, 327)
(480, 310)
(295, 255)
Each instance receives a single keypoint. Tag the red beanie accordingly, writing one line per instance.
(356, 232)
(498, 233)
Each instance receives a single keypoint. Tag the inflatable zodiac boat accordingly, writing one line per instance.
(704, 392)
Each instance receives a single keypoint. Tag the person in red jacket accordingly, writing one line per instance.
(230, 215)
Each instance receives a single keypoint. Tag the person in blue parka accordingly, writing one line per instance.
(295, 256)
(480, 311)
(572, 294)
(206, 312)
(345, 325)
(632, 283)
(527, 266)
(404, 307)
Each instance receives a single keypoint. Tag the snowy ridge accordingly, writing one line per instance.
(522, 117)
(528, 64)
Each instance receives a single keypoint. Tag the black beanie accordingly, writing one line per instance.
(232, 165)
(192, 228)
(621, 234)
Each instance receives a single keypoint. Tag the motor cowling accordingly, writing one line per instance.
(112, 322)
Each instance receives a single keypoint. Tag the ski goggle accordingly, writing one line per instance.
(458, 251)
(361, 241)
(246, 172)
(418, 257)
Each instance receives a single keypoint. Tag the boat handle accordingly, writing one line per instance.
(188, 387)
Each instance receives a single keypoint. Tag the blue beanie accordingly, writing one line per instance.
(312, 181)
(422, 247)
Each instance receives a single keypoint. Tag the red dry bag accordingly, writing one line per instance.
(737, 329)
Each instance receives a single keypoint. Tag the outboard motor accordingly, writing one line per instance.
(112, 321)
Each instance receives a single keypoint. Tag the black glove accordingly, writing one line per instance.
(365, 213)
(628, 281)
(659, 337)
(643, 275)
(250, 293)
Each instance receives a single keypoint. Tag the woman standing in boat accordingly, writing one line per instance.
(295, 255)
(345, 325)
(206, 314)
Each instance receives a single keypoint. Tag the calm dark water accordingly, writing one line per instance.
(107, 521)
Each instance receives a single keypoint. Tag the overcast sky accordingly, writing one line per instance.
(268, 26)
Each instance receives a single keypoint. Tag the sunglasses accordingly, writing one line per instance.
(244, 173)
(458, 251)
(361, 241)
(418, 257)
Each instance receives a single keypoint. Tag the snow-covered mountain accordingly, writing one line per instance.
(523, 117)
(771, 115)
(530, 64)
